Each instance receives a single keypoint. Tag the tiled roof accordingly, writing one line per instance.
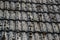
(30, 19)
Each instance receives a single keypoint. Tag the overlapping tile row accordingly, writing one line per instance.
(30, 19)
(29, 26)
(32, 16)
(29, 6)
(30, 36)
